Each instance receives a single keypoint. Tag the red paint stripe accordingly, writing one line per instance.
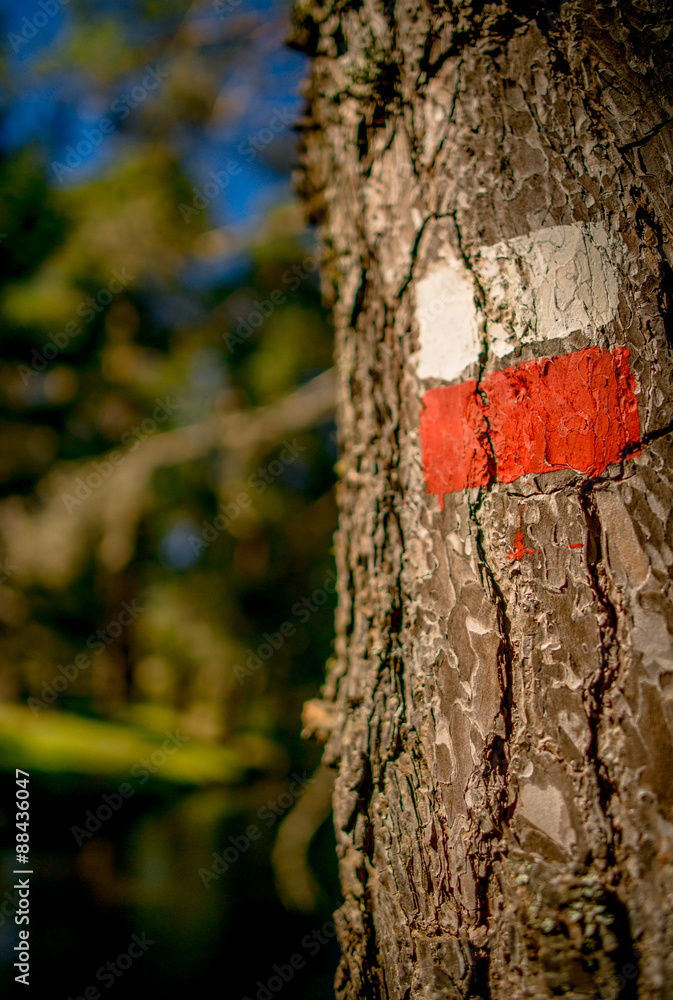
(578, 411)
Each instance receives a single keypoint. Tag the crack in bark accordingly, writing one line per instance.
(609, 663)
(594, 697)
(637, 143)
(432, 216)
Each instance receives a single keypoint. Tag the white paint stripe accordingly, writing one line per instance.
(546, 285)
(448, 321)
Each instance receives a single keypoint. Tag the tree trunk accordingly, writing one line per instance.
(493, 183)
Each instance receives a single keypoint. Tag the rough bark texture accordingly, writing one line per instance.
(500, 705)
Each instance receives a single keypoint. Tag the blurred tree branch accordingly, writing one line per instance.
(47, 543)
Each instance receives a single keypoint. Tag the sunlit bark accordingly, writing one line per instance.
(494, 183)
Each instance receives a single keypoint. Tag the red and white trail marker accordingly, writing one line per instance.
(574, 411)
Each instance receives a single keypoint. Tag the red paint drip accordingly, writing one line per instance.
(518, 552)
(578, 411)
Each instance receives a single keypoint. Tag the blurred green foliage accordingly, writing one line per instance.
(129, 338)
(107, 307)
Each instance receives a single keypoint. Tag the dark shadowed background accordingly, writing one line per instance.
(166, 461)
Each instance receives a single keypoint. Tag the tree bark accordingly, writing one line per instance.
(494, 184)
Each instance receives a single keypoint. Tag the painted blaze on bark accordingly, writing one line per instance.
(494, 184)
